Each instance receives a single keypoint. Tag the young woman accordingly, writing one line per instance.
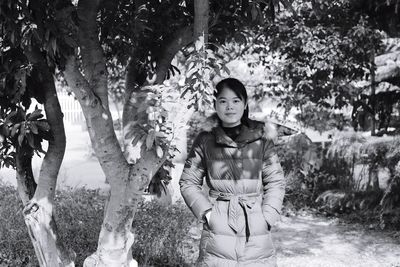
(246, 183)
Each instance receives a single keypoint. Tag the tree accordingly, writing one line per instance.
(26, 73)
(385, 14)
(318, 55)
(83, 40)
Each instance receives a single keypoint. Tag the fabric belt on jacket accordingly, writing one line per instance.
(237, 202)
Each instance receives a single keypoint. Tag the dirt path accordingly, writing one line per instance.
(317, 241)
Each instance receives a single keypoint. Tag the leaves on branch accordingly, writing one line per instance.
(202, 66)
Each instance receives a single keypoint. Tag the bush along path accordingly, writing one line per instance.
(309, 240)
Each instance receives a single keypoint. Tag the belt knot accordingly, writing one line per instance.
(237, 202)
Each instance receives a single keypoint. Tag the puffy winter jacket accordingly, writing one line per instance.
(246, 192)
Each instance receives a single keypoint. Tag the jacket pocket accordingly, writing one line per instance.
(208, 224)
(268, 226)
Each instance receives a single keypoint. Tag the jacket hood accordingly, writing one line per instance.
(250, 132)
(253, 131)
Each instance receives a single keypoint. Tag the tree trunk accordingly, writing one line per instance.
(373, 95)
(39, 201)
(375, 181)
(373, 178)
(127, 182)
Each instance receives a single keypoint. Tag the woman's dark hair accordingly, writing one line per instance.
(238, 88)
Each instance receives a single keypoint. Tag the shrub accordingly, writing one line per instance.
(302, 163)
(162, 235)
(339, 201)
(79, 215)
(15, 246)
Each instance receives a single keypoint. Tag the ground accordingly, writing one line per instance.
(303, 240)
(308, 240)
(314, 241)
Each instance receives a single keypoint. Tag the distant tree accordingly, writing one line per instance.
(313, 56)
(327, 48)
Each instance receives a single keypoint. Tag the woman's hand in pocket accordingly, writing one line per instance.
(207, 216)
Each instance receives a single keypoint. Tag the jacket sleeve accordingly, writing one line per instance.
(273, 184)
(191, 181)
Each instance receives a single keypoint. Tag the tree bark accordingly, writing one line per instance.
(181, 38)
(38, 210)
(94, 64)
(25, 180)
(127, 182)
(201, 18)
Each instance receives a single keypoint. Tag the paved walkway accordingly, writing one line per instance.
(311, 241)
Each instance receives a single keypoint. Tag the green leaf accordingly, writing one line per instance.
(22, 129)
(37, 114)
(150, 139)
(225, 68)
(31, 141)
(4, 130)
(159, 152)
(34, 128)
(136, 139)
(130, 133)
(43, 125)
(15, 129)
(20, 139)
(160, 134)
(185, 92)
(11, 115)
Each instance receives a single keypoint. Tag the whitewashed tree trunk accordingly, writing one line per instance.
(39, 200)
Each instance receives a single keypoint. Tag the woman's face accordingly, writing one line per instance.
(229, 108)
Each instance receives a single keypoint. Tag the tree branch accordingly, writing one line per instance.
(134, 78)
(99, 123)
(94, 66)
(201, 17)
(78, 84)
(182, 38)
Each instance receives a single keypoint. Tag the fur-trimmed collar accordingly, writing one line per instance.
(254, 130)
